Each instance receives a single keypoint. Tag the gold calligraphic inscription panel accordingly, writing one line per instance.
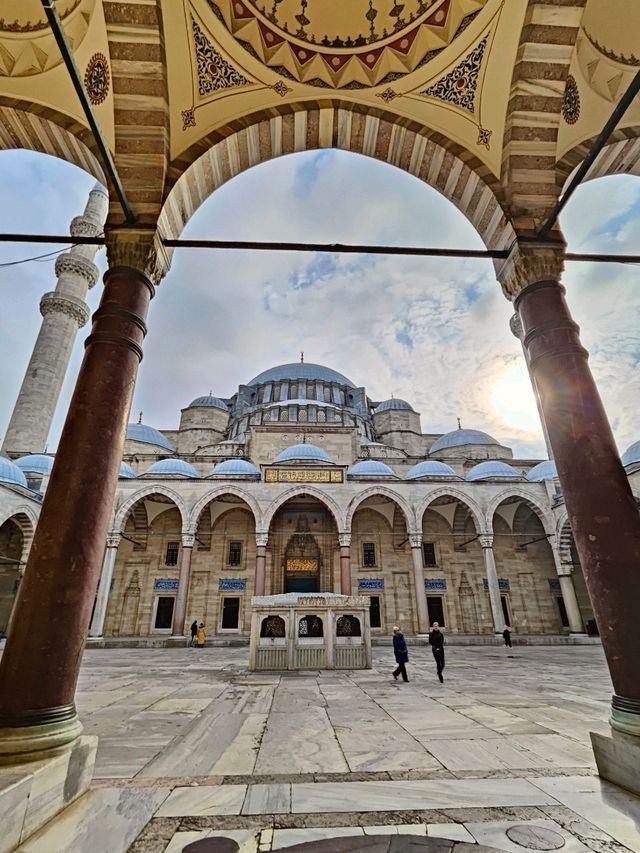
(273, 475)
(302, 565)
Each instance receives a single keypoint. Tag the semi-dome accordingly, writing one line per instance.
(543, 471)
(394, 404)
(172, 468)
(492, 471)
(209, 400)
(430, 468)
(459, 438)
(36, 463)
(631, 454)
(301, 370)
(148, 435)
(236, 468)
(370, 468)
(10, 473)
(126, 472)
(303, 453)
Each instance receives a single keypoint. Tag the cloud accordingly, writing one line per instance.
(431, 330)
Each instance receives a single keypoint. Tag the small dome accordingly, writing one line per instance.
(631, 454)
(208, 400)
(395, 404)
(37, 463)
(543, 471)
(10, 473)
(147, 435)
(430, 468)
(492, 471)
(173, 468)
(460, 437)
(126, 472)
(236, 468)
(370, 468)
(301, 370)
(303, 453)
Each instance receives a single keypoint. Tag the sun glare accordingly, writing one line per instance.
(513, 401)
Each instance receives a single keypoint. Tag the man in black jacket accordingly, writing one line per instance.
(401, 654)
(436, 641)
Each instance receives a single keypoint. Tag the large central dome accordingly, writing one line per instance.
(301, 370)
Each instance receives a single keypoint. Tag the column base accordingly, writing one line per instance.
(33, 743)
(618, 758)
(31, 793)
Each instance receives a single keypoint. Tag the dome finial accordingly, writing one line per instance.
(211, 393)
(140, 418)
(302, 357)
(459, 424)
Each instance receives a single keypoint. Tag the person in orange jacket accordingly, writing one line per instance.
(201, 636)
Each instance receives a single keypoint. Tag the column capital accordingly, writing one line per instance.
(486, 540)
(139, 249)
(52, 303)
(188, 540)
(77, 265)
(344, 540)
(415, 540)
(530, 261)
(113, 540)
(564, 570)
(262, 540)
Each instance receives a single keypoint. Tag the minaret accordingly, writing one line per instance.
(64, 311)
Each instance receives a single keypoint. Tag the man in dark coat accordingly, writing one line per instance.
(506, 636)
(436, 641)
(401, 654)
(194, 631)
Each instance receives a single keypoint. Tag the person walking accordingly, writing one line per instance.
(401, 653)
(436, 641)
(506, 636)
(194, 631)
(201, 636)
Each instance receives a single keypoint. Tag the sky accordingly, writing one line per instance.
(433, 331)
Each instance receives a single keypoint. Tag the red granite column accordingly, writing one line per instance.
(40, 664)
(180, 613)
(345, 563)
(602, 511)
(261, 563)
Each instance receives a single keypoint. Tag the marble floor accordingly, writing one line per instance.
(194, 746)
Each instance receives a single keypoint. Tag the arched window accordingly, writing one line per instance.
(348, 626)
(273, 626)
(310, 626)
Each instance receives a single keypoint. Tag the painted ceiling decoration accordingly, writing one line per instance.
(27, 45)
(96, 78)
(214, 72)
(354, 45)
(571, 102)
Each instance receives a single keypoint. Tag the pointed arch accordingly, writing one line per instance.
(26, 519)
(381, 491)
(514, 491)
(125, 508)
(296, 491)
(229, 489)
(451, 492)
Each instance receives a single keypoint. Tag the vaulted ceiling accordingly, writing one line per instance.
(492, 101)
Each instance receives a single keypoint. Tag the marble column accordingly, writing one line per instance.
(345, 563)
(601, 508)
(571, 604)
(180, 612)
(104, 587)
(261, 563)
(415, 540)
(41, 660)
(486, 542)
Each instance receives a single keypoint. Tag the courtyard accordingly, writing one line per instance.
(192, 745)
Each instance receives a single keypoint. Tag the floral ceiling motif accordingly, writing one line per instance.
(339, 44)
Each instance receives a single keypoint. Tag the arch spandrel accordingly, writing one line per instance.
(326, 500)
(381, 491)
(248, 499)
(476, 512)
(123, 510)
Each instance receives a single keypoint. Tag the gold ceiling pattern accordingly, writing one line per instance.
(355, 45)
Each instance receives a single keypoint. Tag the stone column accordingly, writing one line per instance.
(415, 540)
(41, 661)
(180, 612)
(345, 563)
(104, 587)
(486, 542)
(571, 604)
(261, 563)
(63, 312)
(602, 511)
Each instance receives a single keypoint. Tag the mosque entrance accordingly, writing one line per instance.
(302, 559)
